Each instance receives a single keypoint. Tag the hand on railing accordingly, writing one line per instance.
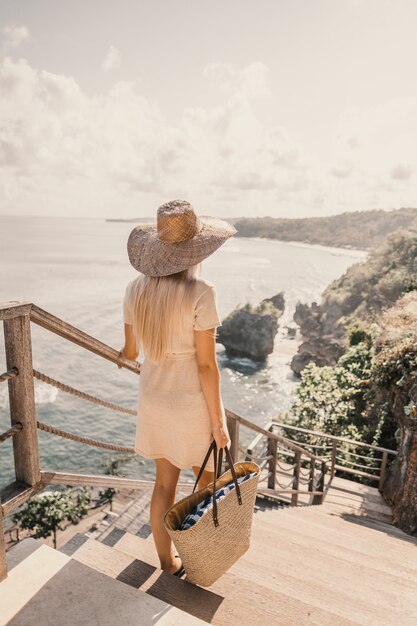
(119, 356)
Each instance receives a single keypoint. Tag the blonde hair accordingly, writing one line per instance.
(161, 305)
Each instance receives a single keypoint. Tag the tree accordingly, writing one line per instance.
(108, 494)
(46, 512)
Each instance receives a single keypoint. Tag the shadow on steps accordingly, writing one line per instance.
(195, 600)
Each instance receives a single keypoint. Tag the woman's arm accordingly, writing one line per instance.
(209, 374)
(129, 350)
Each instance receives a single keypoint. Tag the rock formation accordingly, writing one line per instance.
(250, 331)
(324, 337)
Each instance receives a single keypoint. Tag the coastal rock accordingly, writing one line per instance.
(250, 331)
(323, 333)
(291, 330)
(318, 351)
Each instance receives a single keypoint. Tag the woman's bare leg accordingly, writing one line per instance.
(163, 496)
(206, 478)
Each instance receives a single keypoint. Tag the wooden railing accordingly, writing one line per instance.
(341, 453)
(283, 459)
(30, 478)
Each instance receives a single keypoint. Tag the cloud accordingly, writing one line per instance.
(15, 35)
(251, 81)
(342, 170)
(401, 172)
(63, 151)
(373, 149)
(112, 60)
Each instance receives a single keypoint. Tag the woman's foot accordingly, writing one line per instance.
(175, 567)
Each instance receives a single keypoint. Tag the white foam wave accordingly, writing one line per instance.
(44, 394)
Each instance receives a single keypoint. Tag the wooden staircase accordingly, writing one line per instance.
(334, 563)
(338, 563)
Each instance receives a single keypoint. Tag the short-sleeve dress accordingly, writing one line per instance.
(173, 421)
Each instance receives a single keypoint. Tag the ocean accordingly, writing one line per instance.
(78, 269)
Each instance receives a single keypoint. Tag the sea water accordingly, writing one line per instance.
(77, 269)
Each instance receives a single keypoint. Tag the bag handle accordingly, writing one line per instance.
(217, 470)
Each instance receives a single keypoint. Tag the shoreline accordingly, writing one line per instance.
(303, 244)
(300, 244)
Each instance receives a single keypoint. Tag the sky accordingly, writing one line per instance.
(286, 108)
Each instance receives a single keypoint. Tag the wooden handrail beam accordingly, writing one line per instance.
(334, 437)
(16, 494)
(80, 338)
(49, 477)
(350, 470)
(287, 442)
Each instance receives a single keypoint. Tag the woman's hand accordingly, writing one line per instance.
(220, 436)
(119, 356)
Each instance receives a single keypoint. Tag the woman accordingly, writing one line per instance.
(171, 316)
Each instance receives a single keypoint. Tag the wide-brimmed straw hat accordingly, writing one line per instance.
(178, 240)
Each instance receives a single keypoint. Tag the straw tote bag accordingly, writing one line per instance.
(221, 535)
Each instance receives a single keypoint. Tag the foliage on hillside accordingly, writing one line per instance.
(358, 229)
(394, 371)
(331, 399)
(367, 288)
(335, 400)
(394, 379)
(360, 295)
(370, 394)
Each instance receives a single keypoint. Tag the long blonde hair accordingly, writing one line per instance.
(161, 305)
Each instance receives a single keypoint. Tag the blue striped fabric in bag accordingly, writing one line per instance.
(204, 506)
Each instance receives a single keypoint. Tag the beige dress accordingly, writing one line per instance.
(173, 420)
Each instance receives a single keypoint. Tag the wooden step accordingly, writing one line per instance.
(365, 532)
(48, 587)
(321, 582)
(359, 552)
(340, 502)
(232, 600)
(342, 533)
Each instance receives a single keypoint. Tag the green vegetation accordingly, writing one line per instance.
(357, 395)
(45, 513)
(263, 308)
(368, 288)
(336, 400)
(359, 296)
(358, 229)
(371, 393)
(331, 399)
(394, 373)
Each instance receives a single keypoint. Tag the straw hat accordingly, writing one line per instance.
(179, 239)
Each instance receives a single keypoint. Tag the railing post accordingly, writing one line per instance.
(296, 479)
(272, 463)
(3, 562)
(334, 455)
(383, 470)
(233, 428)
(22, 399)
(311, 476)
(320, 485)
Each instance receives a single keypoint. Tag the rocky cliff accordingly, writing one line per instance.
(366, 289)
(250, 331)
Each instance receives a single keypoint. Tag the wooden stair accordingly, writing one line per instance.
(334, 564)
